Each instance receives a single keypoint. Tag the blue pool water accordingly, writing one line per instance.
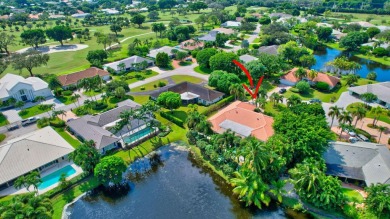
(138, 135)
(54, 177)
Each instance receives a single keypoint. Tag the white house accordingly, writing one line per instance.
(23, 89)
(381, 90)
(231, 24)
(129, 63)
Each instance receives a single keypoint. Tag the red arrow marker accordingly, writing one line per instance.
(248, 75)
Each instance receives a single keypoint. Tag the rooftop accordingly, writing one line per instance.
(331, 80)
(10, 80)
(128, 62)
(272, 50)
(191, 89)
(247, 58)
(364, 161)
(31, 151)
(241, 118)
(381, 90)
(73, 78)
(191, 44)
(167, 49)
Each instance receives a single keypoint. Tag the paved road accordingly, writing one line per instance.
(251, 38)
(129, 38)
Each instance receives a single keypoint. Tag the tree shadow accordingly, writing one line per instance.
(69, 195)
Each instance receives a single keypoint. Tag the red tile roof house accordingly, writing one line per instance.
(291, 79)
(74, 78)
(241, 118)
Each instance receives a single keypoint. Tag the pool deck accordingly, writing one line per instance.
(12, 191)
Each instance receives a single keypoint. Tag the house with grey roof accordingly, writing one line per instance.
(191, 93)
(247, 58)
(128, 64)
(231, 24)
(23, 89)
(209, 37)
(367, 163)
(280, 15)
(381, 90)
(38, 150)
(271, 50)
(99, 128)
(167, 49)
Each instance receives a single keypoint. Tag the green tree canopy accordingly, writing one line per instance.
(203, 57)
(86, 156)
(59, 33)
(169, 100)
(29, 60)
(138, 19)
(224, 61)
(353, 40)
(222, 80)
(162, 60)
(33, 37)
(110, 170)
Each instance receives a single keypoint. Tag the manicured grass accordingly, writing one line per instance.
(185, 63)
(3, 120)
(149, 86)
(132, 80)
(257, 40)
(65, 100)
(32, 111)
(376, 19)
(273, 110)
(71, 140)
(384, 117)
(352, 195)
(180, 78)
(91, 93)
(2, 137)
(141, 99)
(201, 70)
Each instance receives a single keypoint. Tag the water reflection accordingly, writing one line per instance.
(327, 54)
(175, 187)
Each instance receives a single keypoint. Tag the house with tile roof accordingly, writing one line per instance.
(271, 50)
(74, 78)
(191, 44)
(381, 90)
(367, 163)
(38, 150)
(130, 63)
(290, 79)
(98, 128)
(191, 93)
(241, 118)
(23, 89)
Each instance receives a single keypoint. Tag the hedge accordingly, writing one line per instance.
(218, 105)
(172, 118)
(322, 86)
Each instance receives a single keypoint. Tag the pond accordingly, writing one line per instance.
(175, 188)
(329, 54)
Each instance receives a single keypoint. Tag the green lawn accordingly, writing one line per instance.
(3, 120)
(352, 195)
(149, 86)
(32, 111)
(132, 80)
(70, 139)
(141, 99)
(384, 117)
(2, 137)
(201, 70)
(180, 78)
(273, 110)
(65, 100)
(327, 96)
(257, 40)
(92, 93)
(376, 19)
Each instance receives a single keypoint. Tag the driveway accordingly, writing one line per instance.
(12, 115)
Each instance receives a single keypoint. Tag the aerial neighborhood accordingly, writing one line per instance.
(202, 109)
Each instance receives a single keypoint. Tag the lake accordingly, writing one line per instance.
(329, 54)
(178, 187)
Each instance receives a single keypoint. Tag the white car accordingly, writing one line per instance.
(30, 120)
(351, 133)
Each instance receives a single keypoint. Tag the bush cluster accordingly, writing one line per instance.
(172, 118)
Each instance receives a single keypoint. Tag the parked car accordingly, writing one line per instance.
(363, 138)
(314, 100)
(282, 91)
(30, 120)
(188, 60)
(12, 127)
(353, 139)
(351, 133)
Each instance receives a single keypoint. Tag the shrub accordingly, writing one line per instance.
(142, 88)
(218, 105)
(194, 53)
(80, 111)
(371, 76)
(379, 51)
(294, 90)
(2, 137)
(57, 123)
(161, 84)
(72, 87)
(257, 110)
(322, 86)
(43, 122)
(256, 46)
(172, 118)
(99, 106)
(67, 93)
(303, 87)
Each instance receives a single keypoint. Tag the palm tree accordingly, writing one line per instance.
(237, 91)
(39, 207)
(39, 99)
(300, 73)
(312, 74)
(76, 97)
(293, 100)
(334, 111)
(368, 97)
(263, 93)
(261, 102)
(342, 127)
(359, 114)
(276, 98)
(345, 117)
(277, 189)
(381, 129)
(377, 111)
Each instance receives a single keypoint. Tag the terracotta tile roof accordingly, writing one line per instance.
(331, 80)
(191, 44)
(73, 78)
(242, 114)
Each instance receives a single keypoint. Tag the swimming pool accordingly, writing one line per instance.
(138, 135)
(54, 177)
